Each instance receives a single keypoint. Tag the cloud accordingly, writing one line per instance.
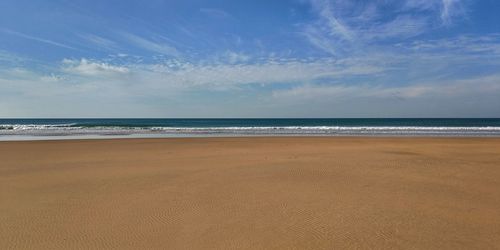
(347, 26)
(100, 42)
(263, 73)
(8, 58)
(472, 97)
(235, 57)
(317, 38)
(85, 67)
(411, 63)
(328, 33)
(428, 5)
(171, 78)
(335, 25)
(448, 10)
(489, 84)
(403, 26)
(486, 45)
(371, 52)
(149, 45)
(402, 82)
(38, 39)
(451, 9)
(219, 13)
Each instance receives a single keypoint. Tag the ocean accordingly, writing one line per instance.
(106, 128)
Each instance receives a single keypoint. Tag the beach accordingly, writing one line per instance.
(251, 193)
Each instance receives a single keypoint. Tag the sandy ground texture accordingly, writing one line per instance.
(251, 193)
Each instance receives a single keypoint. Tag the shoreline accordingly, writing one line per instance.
(8, 138)
(34, 129)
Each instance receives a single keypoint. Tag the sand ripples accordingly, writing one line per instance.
(288, 193)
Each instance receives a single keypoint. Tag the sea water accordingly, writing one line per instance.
(109, 128)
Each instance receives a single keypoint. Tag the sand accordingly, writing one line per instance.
(251, 193)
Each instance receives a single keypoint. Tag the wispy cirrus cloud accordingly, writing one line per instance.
(327, 86)
(37, 39)
(312, 58)
(100, 42)
(146, 90)
(451, 9)
(334, 24)
(227, 76)
(235, 69)
(451, 88)
(159, 45)
(215, 12)
(7, 58)
(175, 77)
(402, 26)
(346, 25)
(488, 45)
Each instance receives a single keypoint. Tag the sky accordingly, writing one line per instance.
(240, 58)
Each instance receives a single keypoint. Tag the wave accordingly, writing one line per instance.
(78, 129)
(37, 126)
(329, 128)
(75, 126)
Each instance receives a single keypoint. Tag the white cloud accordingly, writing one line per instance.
(451, 9)
(269, 72)
(38, 39)
(170, 79)
(7, 58)
(350, 25)
(155, 46)
(314, 92)
(403, 26)
(100, 42)
(328, 33)
(235, 57)
(471, 46)
(317, 38)
(336, 27)
(422, 4)
(445, 88)
(89, 68)
(420, 73)
(215, 12)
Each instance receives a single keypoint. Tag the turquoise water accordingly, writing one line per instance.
(214, 127)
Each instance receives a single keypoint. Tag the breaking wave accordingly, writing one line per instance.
(76, 129)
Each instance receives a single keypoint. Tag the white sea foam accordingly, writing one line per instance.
(37, 126)
(327, 128)
(73, 129)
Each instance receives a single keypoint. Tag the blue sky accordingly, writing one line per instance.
(301, 58)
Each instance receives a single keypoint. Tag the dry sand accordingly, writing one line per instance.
(252, 193)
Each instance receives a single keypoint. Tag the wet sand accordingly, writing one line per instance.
(251, 193)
